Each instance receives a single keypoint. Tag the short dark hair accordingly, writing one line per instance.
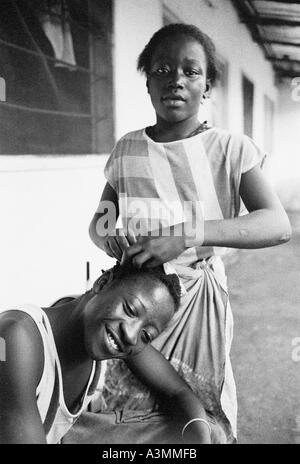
(176, 29)
(125, 271)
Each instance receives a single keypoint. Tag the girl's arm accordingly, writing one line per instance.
(109, 199)
(265, 225)
(174, 395)
(103, 230)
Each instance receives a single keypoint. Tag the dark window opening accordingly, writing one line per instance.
(55, 58)
(248, 101)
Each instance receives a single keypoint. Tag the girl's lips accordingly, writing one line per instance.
(173, 102)
(173, 98)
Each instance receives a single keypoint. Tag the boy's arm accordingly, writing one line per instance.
(20, 372)
(173, 393)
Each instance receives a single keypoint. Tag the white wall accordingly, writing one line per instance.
(46, 205)
(286, 167)
(134, 23)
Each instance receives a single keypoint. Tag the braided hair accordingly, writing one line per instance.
(127, 270)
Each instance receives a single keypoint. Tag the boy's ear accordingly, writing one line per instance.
(102, 281)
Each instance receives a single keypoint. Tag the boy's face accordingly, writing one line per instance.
(124, 317)
(178, 79)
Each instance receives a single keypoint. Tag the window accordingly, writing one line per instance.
(56, 62)
(248, 100)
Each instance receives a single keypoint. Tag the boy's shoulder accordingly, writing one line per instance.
(13, 317)
(23, 315)
(23, 347)
(19, 331)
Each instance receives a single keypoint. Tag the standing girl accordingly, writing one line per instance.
(177, 187)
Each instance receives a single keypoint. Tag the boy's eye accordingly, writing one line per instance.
(129, 310)
(146, 336)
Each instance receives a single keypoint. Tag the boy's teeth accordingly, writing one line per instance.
(112, 342)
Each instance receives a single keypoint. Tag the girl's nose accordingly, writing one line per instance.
(175, 80)
(130, 331)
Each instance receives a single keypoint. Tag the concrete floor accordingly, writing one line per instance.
(265, 297)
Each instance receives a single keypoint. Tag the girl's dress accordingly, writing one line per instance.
(164, 184)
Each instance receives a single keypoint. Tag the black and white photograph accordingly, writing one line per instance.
(150, 225)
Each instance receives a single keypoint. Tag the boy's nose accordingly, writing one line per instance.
(131, 332)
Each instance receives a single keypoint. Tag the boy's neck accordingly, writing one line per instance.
(67, 329)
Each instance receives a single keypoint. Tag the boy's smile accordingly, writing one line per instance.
(123, 318)
(177, 81)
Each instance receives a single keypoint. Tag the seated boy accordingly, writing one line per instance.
(53, 356)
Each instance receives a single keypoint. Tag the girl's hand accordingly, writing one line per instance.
(116, 243)
(155, 250)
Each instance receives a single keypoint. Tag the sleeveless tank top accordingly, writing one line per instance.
(55, 416)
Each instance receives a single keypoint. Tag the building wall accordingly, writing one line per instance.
(135, 22)
(286, 161)
(46, 203)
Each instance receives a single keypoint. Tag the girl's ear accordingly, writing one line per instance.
(208, 90)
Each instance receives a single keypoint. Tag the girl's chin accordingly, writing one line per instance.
(172, 117)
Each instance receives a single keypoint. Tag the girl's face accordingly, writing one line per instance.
(124, 317)
(177, 81)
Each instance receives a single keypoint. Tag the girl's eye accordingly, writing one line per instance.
(162, 70)
(146, 336)
(192, 72)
